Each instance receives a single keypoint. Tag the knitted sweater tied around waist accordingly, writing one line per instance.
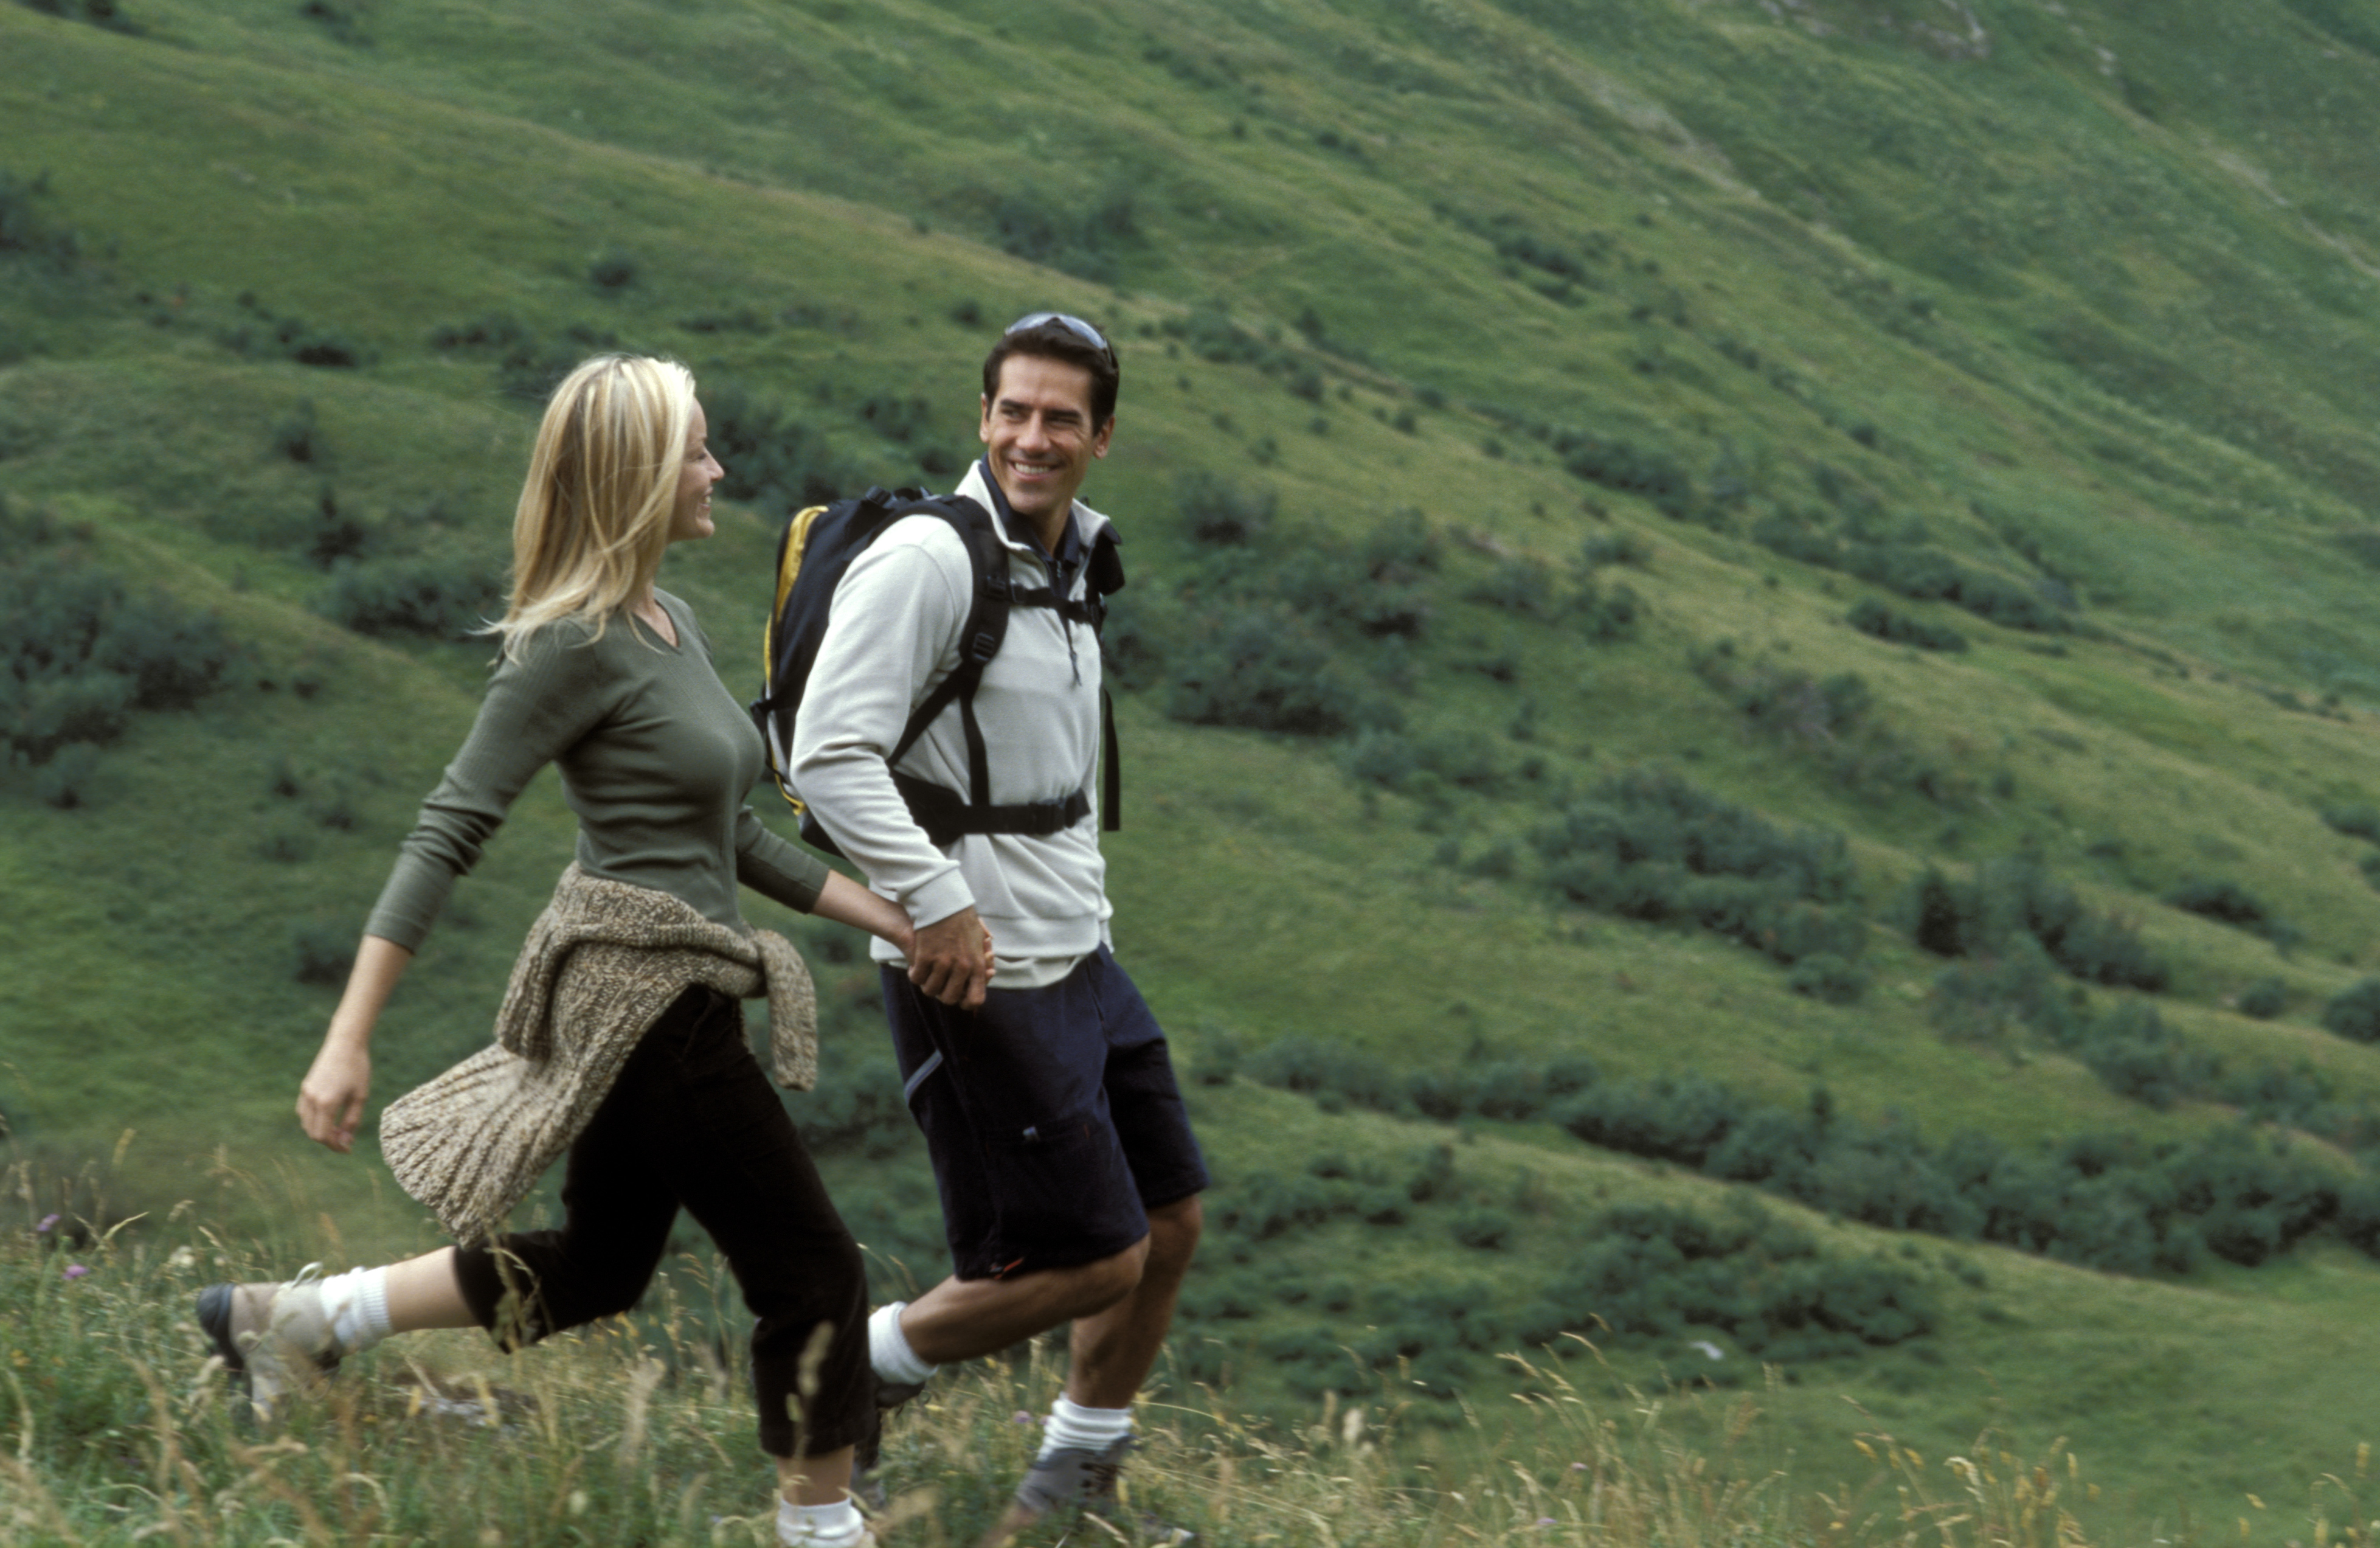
(599, 965)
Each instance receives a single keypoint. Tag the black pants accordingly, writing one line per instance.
(692, 1121)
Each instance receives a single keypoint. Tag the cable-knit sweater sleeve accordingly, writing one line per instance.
(536, 706)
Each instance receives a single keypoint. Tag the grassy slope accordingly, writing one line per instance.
(2145, 341)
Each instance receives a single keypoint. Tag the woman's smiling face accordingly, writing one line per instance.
(691, 517)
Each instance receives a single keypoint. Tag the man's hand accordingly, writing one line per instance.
(952, 960)
(331, 1098)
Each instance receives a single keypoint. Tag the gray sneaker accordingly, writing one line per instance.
(273, 1338)
(1077, 1478)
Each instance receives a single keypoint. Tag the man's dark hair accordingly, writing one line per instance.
(1054, 340)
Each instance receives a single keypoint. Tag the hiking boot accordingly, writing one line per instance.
(1077, 1478)
(867, 1489)
(273, 1338)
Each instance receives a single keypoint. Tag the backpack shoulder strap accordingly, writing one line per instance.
(980, 638)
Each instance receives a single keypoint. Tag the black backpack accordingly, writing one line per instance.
(818, 545)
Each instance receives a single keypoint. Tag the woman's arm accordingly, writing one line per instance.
(331, 1098)
(846, 902)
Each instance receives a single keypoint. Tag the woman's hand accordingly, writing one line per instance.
(331, 1098)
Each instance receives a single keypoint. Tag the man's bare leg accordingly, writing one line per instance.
(1112, 1351)
(967, 1319)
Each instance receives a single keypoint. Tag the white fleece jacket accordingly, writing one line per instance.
(891, 636)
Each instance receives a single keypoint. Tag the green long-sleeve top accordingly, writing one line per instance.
(656, 759)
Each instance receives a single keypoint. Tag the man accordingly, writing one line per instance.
(1068, 1173)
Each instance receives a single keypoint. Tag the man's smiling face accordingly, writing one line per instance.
(1039, 433)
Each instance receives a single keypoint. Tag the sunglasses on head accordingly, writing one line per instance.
(1074, 325)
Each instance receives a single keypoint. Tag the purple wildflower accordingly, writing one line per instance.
(47, 1221)
(75, 1271)
(1024, 1418)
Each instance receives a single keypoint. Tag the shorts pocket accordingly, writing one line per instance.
(1063, 1195)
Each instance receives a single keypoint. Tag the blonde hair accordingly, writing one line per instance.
(595, 510)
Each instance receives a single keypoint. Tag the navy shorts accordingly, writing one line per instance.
(1052, 1116)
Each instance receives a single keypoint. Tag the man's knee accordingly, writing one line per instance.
(1174, 1232)
(1105, 1280)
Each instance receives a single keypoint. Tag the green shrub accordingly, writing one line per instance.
(297, 438)
(2355, 1015)
(433, 597)
(1606, 616)
(1652, 1271)
(330, 533)
(1613, 548)
(1219, 511)
(1264, 669)
(321, 953)
(1632, 469)
(2263, 999)
(1086, 237)
(774, 462)
(1483, 1230)
(2226, 902)
(2018, 896)
(2135, 1055)
(1873, 618)
(2359, 820)
(614, 271)
(25, 233)
(1520, 584)
(65, 781)
(1824, 976)
(79, 653)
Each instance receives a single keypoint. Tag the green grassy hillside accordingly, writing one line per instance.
(1811, 549)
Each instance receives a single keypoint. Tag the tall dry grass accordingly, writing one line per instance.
(116, 1426)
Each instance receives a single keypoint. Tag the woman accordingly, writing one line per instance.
(621, 1035)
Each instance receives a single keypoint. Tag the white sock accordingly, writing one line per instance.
(1071, 1424)
(888, 1348)
(819, 1526)
(356, 1304)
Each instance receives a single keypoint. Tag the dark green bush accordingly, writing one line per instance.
(2018, 896)
(330, 533)
(1605, 615)
(774, 462)
(2355, 1015)
(2226, 902)
(433, 597)
(896, 419)
(2135, 1055)
(1086, 237)
(1632, 469)
(65, 781)
(2359, 820)
(79, 653)
(1824, 976)
(1219, 511)
(1264, 669)
(25, 234)
(2263, 999)
(321, 952)
(297, 437)
(1483, 1230)
(1652, 1272)
(614, 271)
(1520, 584)
(1873, 617)
(1313, 1067)
(294, 339)
(1613, 548)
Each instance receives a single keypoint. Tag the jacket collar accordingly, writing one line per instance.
(1085, 524)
